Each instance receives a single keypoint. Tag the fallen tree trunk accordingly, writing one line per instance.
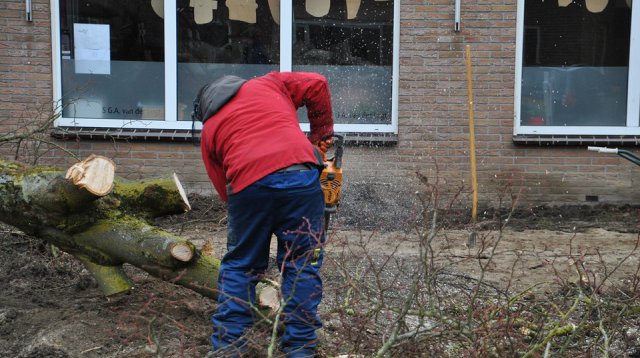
(103, 221)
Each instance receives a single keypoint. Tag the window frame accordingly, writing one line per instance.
(632, 127)
(170, 72)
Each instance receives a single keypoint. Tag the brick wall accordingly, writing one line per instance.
(25, 63)
(380, 181)
(434, 112)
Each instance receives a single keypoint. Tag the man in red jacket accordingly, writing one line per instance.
(267, 171)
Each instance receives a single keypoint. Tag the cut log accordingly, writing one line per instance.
(103, 221)
(150, 197)
(269, 296)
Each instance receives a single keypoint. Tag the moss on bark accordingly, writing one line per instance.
(104, 232)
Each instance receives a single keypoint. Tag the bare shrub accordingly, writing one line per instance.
(387, 304)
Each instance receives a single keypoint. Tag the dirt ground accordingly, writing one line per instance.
(51, 307)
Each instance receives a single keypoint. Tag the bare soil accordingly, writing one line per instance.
(50, 306)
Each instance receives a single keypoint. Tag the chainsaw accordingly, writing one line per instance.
(331, 179)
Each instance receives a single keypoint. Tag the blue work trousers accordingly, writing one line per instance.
(291, 206)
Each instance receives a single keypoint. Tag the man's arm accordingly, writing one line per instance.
(215, 172)
(311, 90)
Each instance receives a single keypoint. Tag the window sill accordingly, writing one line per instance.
(531, 139)
(184, 135)
(170, 135)
(370, 139)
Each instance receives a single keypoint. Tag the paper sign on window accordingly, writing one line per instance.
(92, 49)
(274, 7)
(242, 10)
(318, 8)
(203, 10)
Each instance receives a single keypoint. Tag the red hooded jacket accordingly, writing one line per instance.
(256, 131)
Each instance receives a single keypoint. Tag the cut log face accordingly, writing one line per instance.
(95, 174)
(181, 252)
(183, 195)
(268, 295)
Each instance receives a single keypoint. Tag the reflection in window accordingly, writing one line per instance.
(575, 62)
(351, 43)
(217, 38)
(112, 56)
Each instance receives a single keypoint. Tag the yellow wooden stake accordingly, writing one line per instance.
(472, 140)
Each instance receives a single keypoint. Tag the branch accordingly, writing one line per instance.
(9, 137)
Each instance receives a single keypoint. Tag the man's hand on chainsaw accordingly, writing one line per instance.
(324, 146)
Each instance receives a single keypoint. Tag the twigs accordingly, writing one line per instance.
(30, 129)
(29, 138)
(424, 305)
(398, 324)
(608, 273)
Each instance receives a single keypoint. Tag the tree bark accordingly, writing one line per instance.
(104, 222)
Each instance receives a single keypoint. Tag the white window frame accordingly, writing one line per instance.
(170, 72)
(633, 91)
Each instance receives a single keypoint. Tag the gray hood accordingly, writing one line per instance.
(214, 96)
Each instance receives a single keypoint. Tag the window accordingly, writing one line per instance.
(136, 65)
(578, 68)
(112, 60)
(352, 45)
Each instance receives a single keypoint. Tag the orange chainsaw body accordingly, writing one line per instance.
(331, 176)
(331, 181)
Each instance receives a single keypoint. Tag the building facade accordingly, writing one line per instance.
(534, 81)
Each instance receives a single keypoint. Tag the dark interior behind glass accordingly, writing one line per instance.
(354, 50)
(575, 64)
